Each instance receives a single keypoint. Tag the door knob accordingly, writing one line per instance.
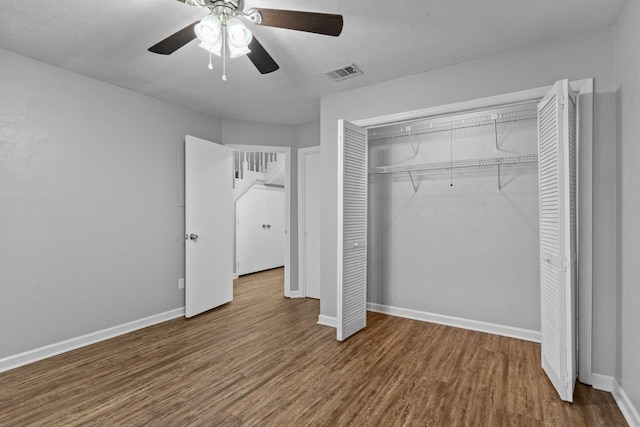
(268, 226)
(193, 237)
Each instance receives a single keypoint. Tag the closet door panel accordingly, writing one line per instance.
(352, 229)
(556, 135)
(274, 255)
(251, 241)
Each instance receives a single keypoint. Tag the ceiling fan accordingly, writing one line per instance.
(224, 28)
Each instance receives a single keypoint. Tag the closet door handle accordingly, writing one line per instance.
(193, 237)
(269, 226)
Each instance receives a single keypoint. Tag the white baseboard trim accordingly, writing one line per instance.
(603, 382)
(474, 325)
(627, 408)
(15, 361)
(296, 294)
(327, 321)
(611, 385)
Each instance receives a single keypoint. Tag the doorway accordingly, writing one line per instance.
(263, 174)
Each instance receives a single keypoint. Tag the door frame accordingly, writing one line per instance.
(584, 171)
(302, 223)
(286, 151)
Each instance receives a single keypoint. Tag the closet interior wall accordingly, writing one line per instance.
(459, 242)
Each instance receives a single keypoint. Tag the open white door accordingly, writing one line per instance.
(352, 229)
(208, 225)
(558, 260)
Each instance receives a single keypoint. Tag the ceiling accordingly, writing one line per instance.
(108, 41)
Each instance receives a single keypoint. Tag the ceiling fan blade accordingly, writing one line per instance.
(175, 41)
(261, 58)
(311, 22)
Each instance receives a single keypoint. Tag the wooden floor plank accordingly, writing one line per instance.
(263, 360)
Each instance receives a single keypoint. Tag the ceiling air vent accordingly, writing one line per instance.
(343, 72)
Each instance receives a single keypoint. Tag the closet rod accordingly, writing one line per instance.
(462, 122)
(456, 164)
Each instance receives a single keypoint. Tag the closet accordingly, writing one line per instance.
(260, 229)
(453, 216)
(471, 220)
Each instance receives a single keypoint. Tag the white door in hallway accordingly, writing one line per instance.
(260, 234)
(312, 209)
(310, 222)
(208, 225)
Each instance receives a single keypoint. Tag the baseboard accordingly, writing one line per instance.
(474, 325)
(296, 294)
(15, 361)
(603, 382)
(627, 408)
(327, 321)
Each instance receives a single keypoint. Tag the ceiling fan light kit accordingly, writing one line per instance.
(224, 28)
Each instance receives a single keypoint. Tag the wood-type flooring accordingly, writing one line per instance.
(262, 360)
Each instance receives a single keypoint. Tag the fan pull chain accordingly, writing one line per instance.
(224, 54)
(210, 65)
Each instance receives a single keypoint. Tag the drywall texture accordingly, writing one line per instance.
(91, 234)
(308, 135)
(581, 56)
(627, 66)
(457, 246)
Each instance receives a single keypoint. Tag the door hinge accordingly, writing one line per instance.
(566, 379)
(562, 101)
(564, 263)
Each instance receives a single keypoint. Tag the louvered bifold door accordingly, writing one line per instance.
(557, 172)
(352, 229)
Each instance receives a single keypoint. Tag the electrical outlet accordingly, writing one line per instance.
(180, 283)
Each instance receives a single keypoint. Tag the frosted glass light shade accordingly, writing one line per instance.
(239, 34)
(215, 49)
(235, 52)
(208, 30)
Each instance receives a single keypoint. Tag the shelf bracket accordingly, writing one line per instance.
(415, 187)
(415, 148)
(495, 129)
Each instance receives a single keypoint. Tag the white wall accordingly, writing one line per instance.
(308, 135)
(457, 246)
(91, 234)
(581, 56)
(628, 92)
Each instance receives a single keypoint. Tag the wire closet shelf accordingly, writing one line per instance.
(456, 164)
(459, 121)
(493, 117)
